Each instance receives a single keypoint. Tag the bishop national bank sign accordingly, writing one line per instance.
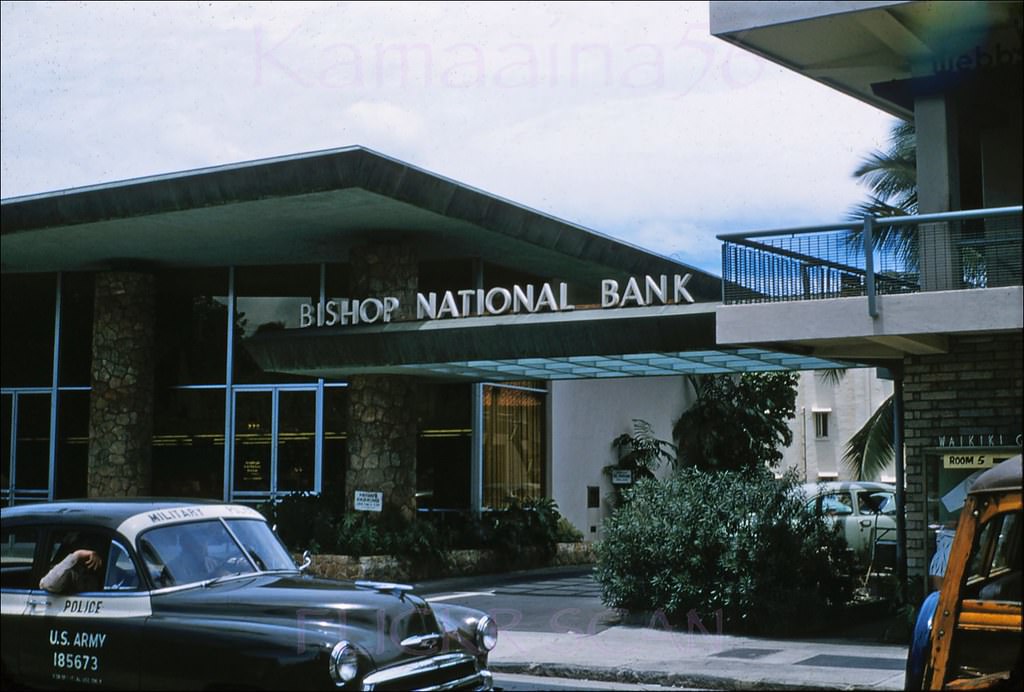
(478, 302)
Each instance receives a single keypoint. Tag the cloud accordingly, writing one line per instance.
(628, 118)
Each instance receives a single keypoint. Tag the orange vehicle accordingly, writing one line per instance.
(968, 634)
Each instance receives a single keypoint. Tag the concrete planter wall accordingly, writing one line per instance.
(459, 563)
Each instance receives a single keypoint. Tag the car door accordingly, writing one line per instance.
(875, 520)
(90, 638)
(17, 557)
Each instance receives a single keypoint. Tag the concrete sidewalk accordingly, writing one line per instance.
(659, 655)
(706, 661)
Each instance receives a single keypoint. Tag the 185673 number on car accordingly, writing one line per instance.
(186, 595)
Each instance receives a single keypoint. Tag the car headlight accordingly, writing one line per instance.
(486, 633)
(344, 662)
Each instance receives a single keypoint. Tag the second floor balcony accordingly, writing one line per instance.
(911, 281)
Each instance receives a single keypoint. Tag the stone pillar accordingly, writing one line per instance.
(382, 408)
(382, 440)
(121, 402)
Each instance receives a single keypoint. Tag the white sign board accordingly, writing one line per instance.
(622, 477)
(368, 502)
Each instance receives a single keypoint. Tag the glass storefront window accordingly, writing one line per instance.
(76, 300)
(32, 442)
(514, 446)
(29, 306)
(253, 441)
(296, 441)
(335, 449)
(72, 445)
(191, 327)
(188, 443)
(268, 298)
(444, 447)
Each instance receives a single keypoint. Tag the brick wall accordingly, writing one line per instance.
(974, 389)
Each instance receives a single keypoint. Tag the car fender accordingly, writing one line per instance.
(920, 644)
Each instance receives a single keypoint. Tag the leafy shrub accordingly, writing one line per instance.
(739, 543)
(525, 532)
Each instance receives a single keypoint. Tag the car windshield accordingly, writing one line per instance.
(203, 550)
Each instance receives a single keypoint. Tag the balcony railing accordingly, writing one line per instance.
(876, 256)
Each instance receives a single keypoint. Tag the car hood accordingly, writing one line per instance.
(378, 617)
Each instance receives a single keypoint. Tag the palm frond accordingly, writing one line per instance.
(870, 449)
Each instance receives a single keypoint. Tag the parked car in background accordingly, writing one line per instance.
(865, 511)
(968, 634)
(189, 595)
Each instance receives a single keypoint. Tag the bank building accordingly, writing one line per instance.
(343, 322)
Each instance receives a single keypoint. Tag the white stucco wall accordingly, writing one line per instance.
(849, 403)
(585, 416)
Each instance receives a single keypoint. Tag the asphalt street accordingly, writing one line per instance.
(564, 601)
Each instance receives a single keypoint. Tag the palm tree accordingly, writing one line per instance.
(891, 175)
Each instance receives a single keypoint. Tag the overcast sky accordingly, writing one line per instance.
(627, 118)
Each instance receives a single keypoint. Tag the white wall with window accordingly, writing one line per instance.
(829, 410)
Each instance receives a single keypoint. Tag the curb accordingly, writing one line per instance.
(643, 677)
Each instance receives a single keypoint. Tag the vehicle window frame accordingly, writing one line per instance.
(149, 566)
(981, 568)
(45, 553)
(33, 568)
(122, 545)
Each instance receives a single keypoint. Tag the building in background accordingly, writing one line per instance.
(937, 298)
(336, 322)
(829, 410)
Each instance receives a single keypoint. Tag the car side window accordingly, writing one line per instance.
(121, 573)
(75, 577)
(837, 504)
(16, 555)
(876, 503)
(995, 569)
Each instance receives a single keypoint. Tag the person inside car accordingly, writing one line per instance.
(79, 570)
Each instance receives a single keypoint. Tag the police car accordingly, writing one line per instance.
(187, 595)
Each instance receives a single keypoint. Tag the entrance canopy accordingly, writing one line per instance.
(624, 342)
(316, 208)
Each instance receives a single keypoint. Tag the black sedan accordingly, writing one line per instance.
(186, 595)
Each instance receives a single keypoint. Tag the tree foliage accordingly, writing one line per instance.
(737, 422)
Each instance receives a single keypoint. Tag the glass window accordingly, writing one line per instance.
(72, 445)
(821, 425)
(32, 442)
(261, 544)
(76, 300)
(444, 447)
(837, 504)
(188, 553)
(335, 450)
(188, 443)
(296, 441)
(121, 573)
(27, 315)
(994, 572)
(514, 444)
(16, 555)
(268, 298)
(877, 502)
(253, 441)
(191, 327)
(65, 542)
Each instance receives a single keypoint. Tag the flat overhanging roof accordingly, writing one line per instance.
(675, 340)
(307, 208)
(879, 52)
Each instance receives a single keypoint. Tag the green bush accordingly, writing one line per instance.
(525, 532)
(736, 543)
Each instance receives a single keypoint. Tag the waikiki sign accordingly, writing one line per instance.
(478, 302)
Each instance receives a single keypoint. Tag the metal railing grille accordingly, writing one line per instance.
(933, 252)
